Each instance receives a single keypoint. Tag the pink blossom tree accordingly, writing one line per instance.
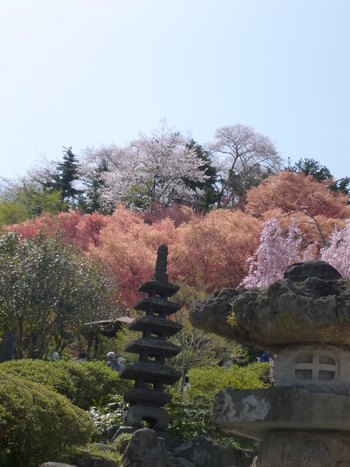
(337, 252)
(278, 249)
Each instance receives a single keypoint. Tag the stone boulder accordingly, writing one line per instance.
(56, 464)
(90, 460)
(296, 309)
(204, 452)
(179, 462)
(290, 449)
(145, 449)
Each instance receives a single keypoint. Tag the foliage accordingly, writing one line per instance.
(295, 192)
(148, 169)
(211, 253)
(108, 415)
(24, 199)
(337, 252)
(312, 167)
(191, 413)
(41, 424)
(74, 228)
(46, 287)
(278, 249)
(84, 384)
(244, 157)
(65, 176)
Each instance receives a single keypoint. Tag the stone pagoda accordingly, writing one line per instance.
(304, 320)
(150, 372)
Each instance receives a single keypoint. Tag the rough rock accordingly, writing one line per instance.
(204, 452)
(171, 442)
(90, 460)
(299, 272)
(56, 464)
(258, 412)
(289, 311)
(245, 458)
(179, 462)
(145, 449)
(290, 449)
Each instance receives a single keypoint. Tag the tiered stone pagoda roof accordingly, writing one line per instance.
(150, 372)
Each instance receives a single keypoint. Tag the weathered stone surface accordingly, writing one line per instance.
(245, 458)
(211, 314)
(179, 462)
(305, 450)
(255, 413)
(298, 272)
(315, 310)
(204, 452)
(56, 464)
(91, 460)
(171, 442)
(145, 449)
(324, 368)
(157, 418)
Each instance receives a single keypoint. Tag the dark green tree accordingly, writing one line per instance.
(94, 183)
(312, 167)
(67, 173)
(211, 196)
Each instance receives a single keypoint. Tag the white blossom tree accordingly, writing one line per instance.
(150, 169)
(244, 158)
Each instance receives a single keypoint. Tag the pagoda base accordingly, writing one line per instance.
(256, 413)
(156, 418)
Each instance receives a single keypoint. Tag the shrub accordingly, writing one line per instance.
(41, 424)
(191, 413)
(85, 384)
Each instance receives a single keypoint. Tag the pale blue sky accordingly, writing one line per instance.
(91, 72)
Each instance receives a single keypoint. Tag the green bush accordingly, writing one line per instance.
(85, 384)
(41, 424)
(191, 413)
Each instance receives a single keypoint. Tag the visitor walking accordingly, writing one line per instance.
(112, 362)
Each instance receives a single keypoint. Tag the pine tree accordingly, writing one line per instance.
(67, 173)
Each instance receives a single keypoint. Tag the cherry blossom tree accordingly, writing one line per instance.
(337, 252)
(244, 157)
(278, 249)
(150, 169)
(48, 288)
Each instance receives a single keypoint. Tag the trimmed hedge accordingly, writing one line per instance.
(41, 424)
(85, 384)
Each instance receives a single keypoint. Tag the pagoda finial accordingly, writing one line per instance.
(160, 274)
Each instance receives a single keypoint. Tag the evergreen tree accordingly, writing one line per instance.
(211, 196)
(67, 173)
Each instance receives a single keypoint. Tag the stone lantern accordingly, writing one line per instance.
(304, 320)
(150, 372)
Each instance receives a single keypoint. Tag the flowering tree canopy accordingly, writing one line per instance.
(277, 251)
(245, 157)
(47, 287)
(149, 169)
